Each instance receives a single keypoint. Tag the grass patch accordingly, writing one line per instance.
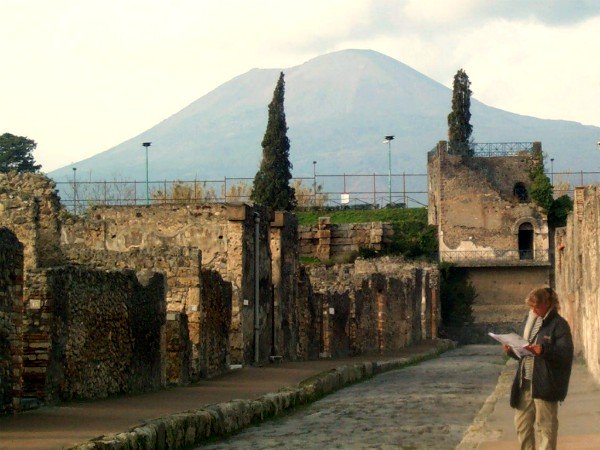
(364, 215)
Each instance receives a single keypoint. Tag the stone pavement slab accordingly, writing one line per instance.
(578, 415)
(425, 406)
(69, 424)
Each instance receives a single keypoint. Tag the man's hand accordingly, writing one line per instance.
(536, 349)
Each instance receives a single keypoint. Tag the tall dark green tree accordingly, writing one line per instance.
(459, 125)
(272, 181)
(16, 154)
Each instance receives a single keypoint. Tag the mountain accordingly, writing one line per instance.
(339, 106)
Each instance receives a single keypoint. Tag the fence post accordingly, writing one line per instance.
(165, 188)
(581, 178)
(105, 194)
(225, 190)
(374, 192)
(404, 188)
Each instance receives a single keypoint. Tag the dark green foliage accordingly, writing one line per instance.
(559, 211)
(459, 125)
(272, 181)
(16, 154)
(457, 296)
(414, 239)
(540, 191)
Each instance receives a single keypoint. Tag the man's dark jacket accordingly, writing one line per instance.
(552, 369)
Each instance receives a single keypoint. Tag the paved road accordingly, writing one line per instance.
(427, 406)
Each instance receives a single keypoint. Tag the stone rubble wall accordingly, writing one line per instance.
(334, 241)
(189, 291)
(92, 334)
(224, 233)
(30, 208)
(11, 313)
(285, 275)
(577, 265)
(374, 306)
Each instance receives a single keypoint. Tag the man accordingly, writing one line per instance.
(542, 380)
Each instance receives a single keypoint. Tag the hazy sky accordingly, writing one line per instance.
(80, 76)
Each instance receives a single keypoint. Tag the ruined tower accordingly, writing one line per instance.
(488, 224)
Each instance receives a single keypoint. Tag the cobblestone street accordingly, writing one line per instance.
(426, 406)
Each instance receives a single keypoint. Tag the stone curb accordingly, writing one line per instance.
(186, 429)
(477, 431)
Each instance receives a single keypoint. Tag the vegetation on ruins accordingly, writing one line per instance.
(16, 153)
(458, 294)
(459, 125)
(413, 237)
(272, 181)
(542, 193)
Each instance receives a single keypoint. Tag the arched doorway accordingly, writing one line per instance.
(525, 241)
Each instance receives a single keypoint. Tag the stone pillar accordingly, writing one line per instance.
(324, 236)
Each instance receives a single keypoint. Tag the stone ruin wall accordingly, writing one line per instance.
(285, 275)
(577, 274)
(223, 233)
(334, 241)
(472, 203)
(198, 304)
(30, 208)
(373, 306)
(91, 334)
(11, 318)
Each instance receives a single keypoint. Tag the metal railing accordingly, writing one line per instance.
(489, 149)
(494, 255)
(319, 190)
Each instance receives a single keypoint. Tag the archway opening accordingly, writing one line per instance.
(525, 241)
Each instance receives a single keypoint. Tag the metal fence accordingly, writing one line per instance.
(494, 255)
(321, 190)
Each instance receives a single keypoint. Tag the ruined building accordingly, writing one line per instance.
(128, 299)
(488, 224)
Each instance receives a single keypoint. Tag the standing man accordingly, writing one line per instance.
(541, 380)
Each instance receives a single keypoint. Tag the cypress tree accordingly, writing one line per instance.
(459, 126)
(272, 181)
(16, 153)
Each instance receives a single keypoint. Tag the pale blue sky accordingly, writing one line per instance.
(82, 76)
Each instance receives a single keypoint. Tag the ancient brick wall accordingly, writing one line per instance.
(334, 241)
(223, 233)
(11, 311)
(285, 275)
(189, 291)
(374, 306)
(474, 206)
(30, 207)
(577, 265)
(91, 334)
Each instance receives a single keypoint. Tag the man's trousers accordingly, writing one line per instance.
(536, 421)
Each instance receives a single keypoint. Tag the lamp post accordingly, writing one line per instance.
(315, 183)
(388, 140)
(146, 145)
(552, 171)
(75, 190)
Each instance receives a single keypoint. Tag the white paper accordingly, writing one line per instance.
(514, 341)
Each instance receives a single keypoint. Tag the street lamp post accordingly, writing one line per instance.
(146, 145)
(315, 183)
(552, 171)
(388, 140)
(75, 190)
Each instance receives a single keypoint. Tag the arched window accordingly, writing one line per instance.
(520, 191)
(526, 241)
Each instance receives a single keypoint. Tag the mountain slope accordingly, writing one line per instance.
(339, 106)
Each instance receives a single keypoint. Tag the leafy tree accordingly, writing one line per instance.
(541, 190)
(559, 211)
(272, 181)
(459, 126)
(16, 154)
